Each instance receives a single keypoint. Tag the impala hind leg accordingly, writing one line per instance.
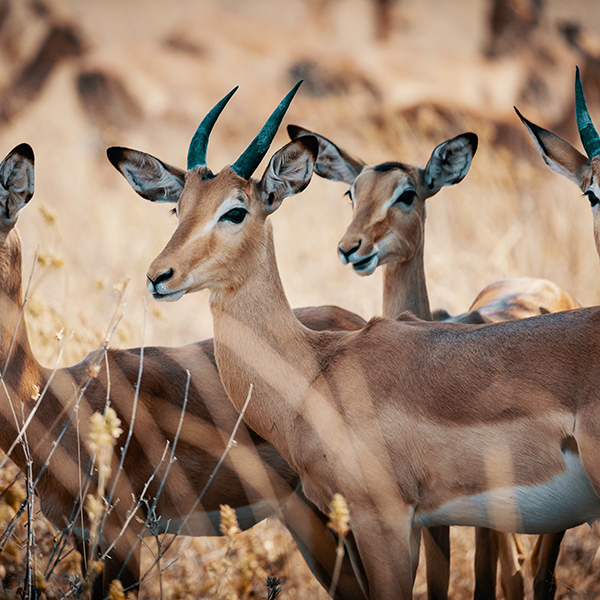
(436, 541)
(492, 547)
(486, 563)
(512, 556)
(543, 565)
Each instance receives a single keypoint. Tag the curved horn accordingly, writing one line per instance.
(246, 164)
(587, 132)
(199, 143)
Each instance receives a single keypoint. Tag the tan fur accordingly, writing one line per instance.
(521, 298)
(398, 234)
(400, 416)
(253, 472)
(564, 159)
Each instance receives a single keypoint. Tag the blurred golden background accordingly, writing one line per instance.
(385, 80)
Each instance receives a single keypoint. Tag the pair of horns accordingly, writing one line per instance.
(249, 160)
(587, 132)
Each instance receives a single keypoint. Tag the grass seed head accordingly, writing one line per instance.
(229, 523)
(339, 517)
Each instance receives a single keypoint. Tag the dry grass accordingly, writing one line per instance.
(510, 217)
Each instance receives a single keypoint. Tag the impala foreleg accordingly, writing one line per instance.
(389, 549)
(124, 558)
(318, 544)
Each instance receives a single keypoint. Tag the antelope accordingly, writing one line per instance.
(388, 229)
(417, 424)
(254, 478)
(584, 171)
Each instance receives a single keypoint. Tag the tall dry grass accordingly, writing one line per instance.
(510, 217)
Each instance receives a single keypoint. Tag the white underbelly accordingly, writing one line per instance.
(566, 501)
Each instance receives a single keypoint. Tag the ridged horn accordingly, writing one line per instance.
(246, 164)
(198, 145)
(587, 132)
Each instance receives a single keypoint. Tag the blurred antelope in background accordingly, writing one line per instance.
(388, 229)
(416, 423)
(254, 478)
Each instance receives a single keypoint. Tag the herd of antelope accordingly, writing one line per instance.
(489, 419)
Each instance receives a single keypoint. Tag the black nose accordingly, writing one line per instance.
(162, 277)
(346, 253)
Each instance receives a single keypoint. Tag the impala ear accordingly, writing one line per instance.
(558, 154)
(16, 182)
(149, 177)
(332, 162)
(289, 171)
(449, 162)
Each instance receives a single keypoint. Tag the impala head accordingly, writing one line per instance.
(221, 217)
(389, 199)
(16, 185)
(562, 158)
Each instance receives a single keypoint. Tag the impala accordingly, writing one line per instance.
(564, 159)
(418, 424)
(254, 478)
(388, 230)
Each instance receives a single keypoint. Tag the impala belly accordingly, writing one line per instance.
(565, 501)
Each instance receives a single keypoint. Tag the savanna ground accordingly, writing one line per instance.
(143, 74)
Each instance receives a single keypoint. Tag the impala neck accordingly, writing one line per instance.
(404, 288)
(20, 368)
(259, 341)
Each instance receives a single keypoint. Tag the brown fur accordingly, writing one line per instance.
(253, 471)
(564, 159)
(406, 415)
(398, 234)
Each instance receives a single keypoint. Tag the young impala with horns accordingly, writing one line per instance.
(564, 159)
(418, 424)
(253, 479)
(388, 230)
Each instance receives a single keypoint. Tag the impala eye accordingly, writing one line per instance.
(592, 198)
(406, 197)
(235, 215)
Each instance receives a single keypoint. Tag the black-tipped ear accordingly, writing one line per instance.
(450, 162)
(17, 182)
(332, 163)
(289, 172)
(115, 155)
(310, 142)
(148, 176)
(295, 131)
(558, 154)
(25, 151)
